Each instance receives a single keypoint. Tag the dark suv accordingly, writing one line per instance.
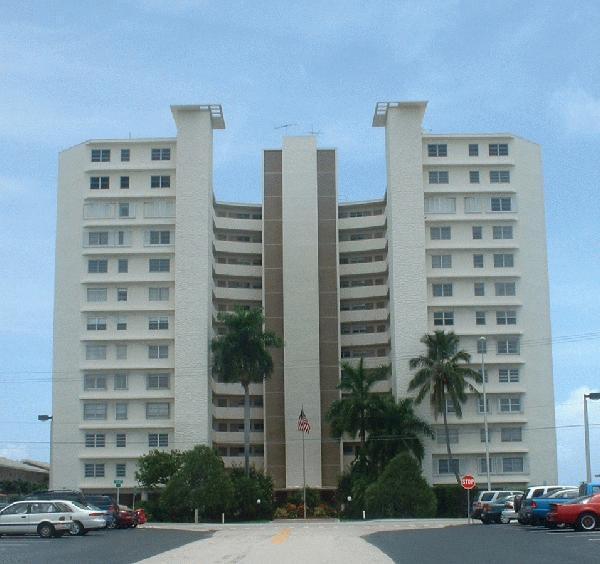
(67, 495)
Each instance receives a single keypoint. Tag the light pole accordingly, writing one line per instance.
(588, 465)
(483, 342)
(51, 419)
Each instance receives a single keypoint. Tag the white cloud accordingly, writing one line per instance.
(578, 110)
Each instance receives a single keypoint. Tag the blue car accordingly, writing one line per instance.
(535, 509)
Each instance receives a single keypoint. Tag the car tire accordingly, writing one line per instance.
(77, 529)
(46, 530)
(112, 525)
(504, 520)
(587, 522)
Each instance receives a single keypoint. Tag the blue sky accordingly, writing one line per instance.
(78, 70)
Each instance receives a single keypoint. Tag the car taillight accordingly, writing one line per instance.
(509, 505)
(533, 504)
(96, 514)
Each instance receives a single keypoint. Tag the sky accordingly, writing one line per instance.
(72, 71)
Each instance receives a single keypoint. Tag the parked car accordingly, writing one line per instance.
(536, 509)
(492, 512)
(106, 504)
(524, 510)
(126, 518)
(591, 488)
(583, 514)
(46, 518)
(508, 513)
(69, 495)
(490, 496)
(84, 518)
(141, 516)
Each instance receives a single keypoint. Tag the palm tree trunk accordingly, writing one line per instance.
(448, 446)
(246, 429)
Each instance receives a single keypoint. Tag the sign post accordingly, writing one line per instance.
(468, 483)
(118, 484)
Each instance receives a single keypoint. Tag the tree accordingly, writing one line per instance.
(247, 491)
(355, 413)
(442, 375)
(241, 355)
(157, 467)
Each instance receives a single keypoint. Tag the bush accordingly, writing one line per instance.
(246, 493)
(452, 500)
(400, 491)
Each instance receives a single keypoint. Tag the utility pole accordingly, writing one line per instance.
(588, 465)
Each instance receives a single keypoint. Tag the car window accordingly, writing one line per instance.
(537, 493)
(42, 507)
(79, 505)
(487, 496)
(16, 509)
(595, 489)
(63, 508)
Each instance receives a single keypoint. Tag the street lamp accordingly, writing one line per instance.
(483, 342)
(588, 467)
(51, 419)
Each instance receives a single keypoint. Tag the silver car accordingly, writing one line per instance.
(84, 518)
(46, 518)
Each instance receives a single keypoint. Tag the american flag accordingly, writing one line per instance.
(303, 424)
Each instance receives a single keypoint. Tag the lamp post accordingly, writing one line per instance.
(483, 341)
(50, 418)
(588, 466)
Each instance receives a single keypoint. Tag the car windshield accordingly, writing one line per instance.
(487, 496)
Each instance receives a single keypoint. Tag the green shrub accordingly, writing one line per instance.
(452, 500)
(246, 493)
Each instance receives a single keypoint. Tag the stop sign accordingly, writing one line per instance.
(468, 482)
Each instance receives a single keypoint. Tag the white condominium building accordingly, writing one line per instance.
(146, 258)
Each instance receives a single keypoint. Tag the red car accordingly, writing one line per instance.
(141, 516)
(584, 515)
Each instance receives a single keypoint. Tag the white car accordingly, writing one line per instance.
(83, 518)
(508, 513)
(46, 518)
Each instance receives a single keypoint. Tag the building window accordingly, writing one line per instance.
(160, 182)
(483, 465)
(440, 205)
(440, 436)
(508, 317)
(477, 231)
(512, 464)
(96, 324)
(97, 266)
(95, 440)
(121, 440)
(508, 345)
(124, 182)
(437, 150)
(441, 261)
(160, 237)
(480, 405)
(479, 318)
(100, 155)
(474, 176)
(473, 205)
(96, 294)
(124, 210)
(443, 318)
(442, 290)
(482, 343)
(157, 410)
(158, 351)
(161, 322)
(158, 440)
(121, 323)
(504, 260)
(450, 407)
(123, 266)
(508, 375)
(510, 405)
(94, 411)
(120, 410)
(438, 177)
(438, 233)
(125, 155)
(473, 150)
(97, 238)
(511, 435)
(93, 470)
(498, 149)
(505, 289)
(479, 288)
(499, 176)
(158, 381)
(158, 294)
(95, 352)
(159, 265)
(99, 183)
(448, 466)
(120, 470)
(477, 261)
(94, 382)
(121, 294)
(120, 381)
(121, 352)
(482, 435)
(160, 154)
(502, 232)
(501, 204)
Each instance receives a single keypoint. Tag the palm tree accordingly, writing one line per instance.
(240, 355)
(442, 375)
(355, 413)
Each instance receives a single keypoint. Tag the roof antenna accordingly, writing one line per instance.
(313, 132)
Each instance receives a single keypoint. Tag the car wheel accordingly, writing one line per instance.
(504, 520)
(112, 525)
(77, 529)
(587, 522)
(45, 530)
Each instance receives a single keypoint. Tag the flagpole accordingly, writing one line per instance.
(303, 477)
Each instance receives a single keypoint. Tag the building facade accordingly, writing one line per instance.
(146, 258)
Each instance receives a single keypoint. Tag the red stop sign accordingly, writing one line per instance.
(468, 482)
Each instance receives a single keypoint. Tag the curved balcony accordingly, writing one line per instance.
(236, 294)
(236, 437)
(237, 247)
(364, 339)
(359, 292)
(364, 315)
(222, 388)
(245, 270)
(376, 267)
(362, 245)
(366, 222)
(235, 224)
(256, 461)
(236, 412)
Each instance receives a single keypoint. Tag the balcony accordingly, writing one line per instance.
(236, 412)
(376, 267)
(237, 247)
(362, 245)
(222, 388)
(236, 224)
(246, 270)
(364, 315)
(364, 339)
(359, 292)
(256, 461)
(238, 294)
(366, 222)
(236, 438)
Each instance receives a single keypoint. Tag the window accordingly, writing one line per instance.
(120, 470)
(95, 352)
(498, 149)
(158, 294)
(96, 324)
(482, 343)
(94, 382)
(98, 238)
(500, 176)
(95, 440)
(121, 381)
(501, 204)
(99, 182)
(98, 210)
(508, 345)
(477, 261)
(123, 266)
(502, 231)
(437, 150)
(94, 411)
(121, 294)
(160, 237)
(97, 266)
(157, 410)
(160, 154)
(159, 265)
(161, 322)
(159, 208)
(450, 407)
(443, 318)
(158, 351)
(124, 184)
(158, 440)
(512, 464)
(511, 434)
(96, 294)
(508, 375)
(505, 288)
(442, 290)
(508, 317)
(479, 318)
(438, 177)
(121, 352)
(122, 238)
(124, 210)
(440, 205)
(482, 436)
(160, 182)
(125, 155)
(504, 260)
(100, 155)
(440, 436)
(120, 410)
(158, 381)
(473, 150)
(121, 323)
(441, 261)
(510, 405)
(121, 440)
(448, 466)
(483, 465)
(479, 289)
(480, 405)
(473, 205)
(477, 231)
(474, 176)
(438, 233)
(93, 470)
